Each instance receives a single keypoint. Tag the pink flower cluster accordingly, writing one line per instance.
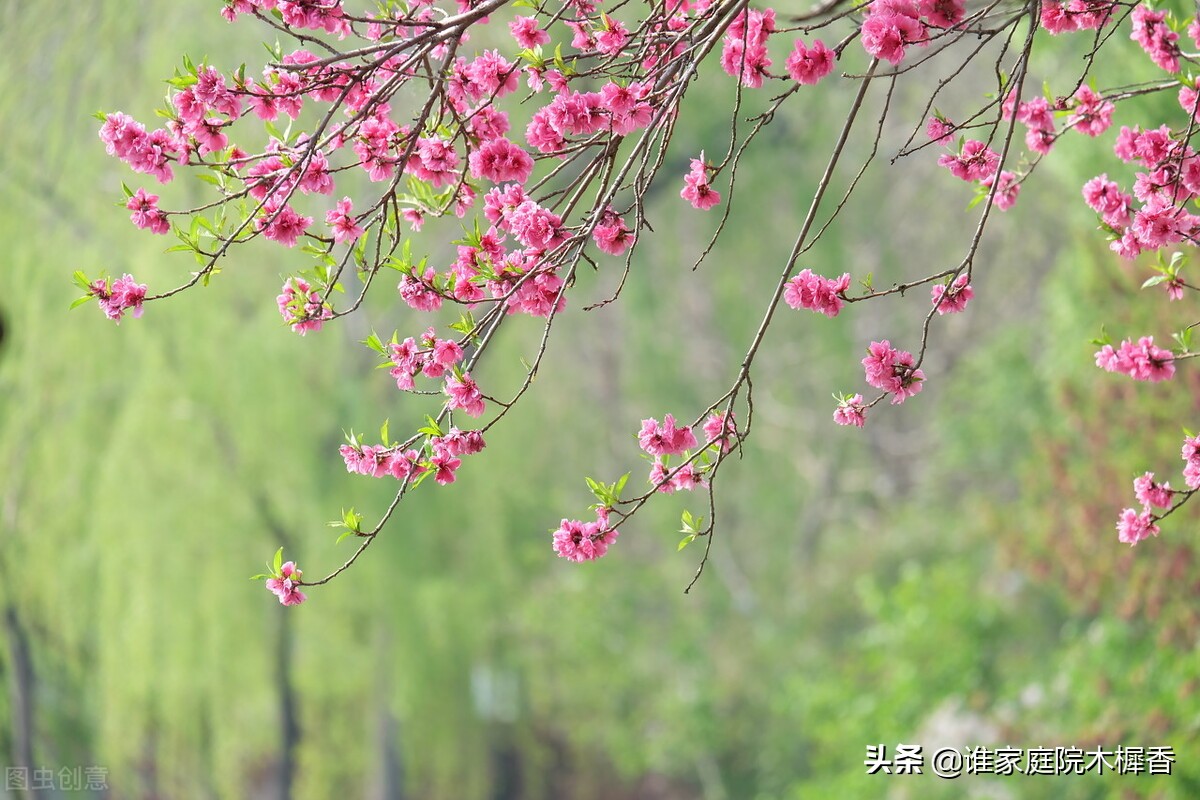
(1191, 458)
(117, 297)
(286, 585)
(665, 439)
(1170, 181)
(620, 110)
(817, 293)
(345, 227)
(974, 162)
(150, 153)
(696, 189)
(952, 299)
(146, 214)
(720, 431)
(744, 49)
(611, 234)
(892, 371)
(464, 394)
(683, 478)
(1133, 526)
(850, 411)
(668, 439)
(433, 357)
(585, 541)
(808, 65)
(891, 26)
(1142, 361)
(301, 306)
(323, 15)
(378, 460)
(196, 126)
(1075, 15)
(444, 451)
(1091, 114)
(1151, 31)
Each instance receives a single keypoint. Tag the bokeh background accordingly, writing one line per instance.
(949, 576)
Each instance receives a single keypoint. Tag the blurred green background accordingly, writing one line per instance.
(949, 576)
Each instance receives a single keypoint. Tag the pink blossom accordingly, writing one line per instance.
(488, 123)
(1037, 114)
(286, 585)
(1105, 198)
(817, 293)
(536, 227)
(460, 443)
(665, 439)
(499, 161)
(446, 464)
(435, 161)
(527, 33)
(1150, 493)
(1142, 361)
(1092, 114)
(720, 428)
(150, 153)
(345, 228)
(611, 234)
(744, 49)
(1191, 457)
(943, 13)
(301, 306)
(584, 541)
(419, 292)
(954, 300)
(892, 371)
(620, 99)
(696, 189)
(1132, 527)
(118, 296)
(940, 130)
(974, 162)
(658, 477)
(807, 65)
(890, 27)
(1154, 35)
(1006, 193)
(283, 225)
(1161, 223)
(491, 75)
(415, 218)
(316, 178)
(1189, 100)
(851, 412)
(464, 394)
(146, 214)
(612, 37)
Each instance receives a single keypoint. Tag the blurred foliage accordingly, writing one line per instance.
(949, 576)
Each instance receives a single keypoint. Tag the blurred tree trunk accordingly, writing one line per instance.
(289, 723)
(21, 688)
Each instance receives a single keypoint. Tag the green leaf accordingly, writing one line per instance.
(1155, 281)
(80, 301)
(685, 541)
(278, 562)
(383, 433)
(431, 427)
(375, 344)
